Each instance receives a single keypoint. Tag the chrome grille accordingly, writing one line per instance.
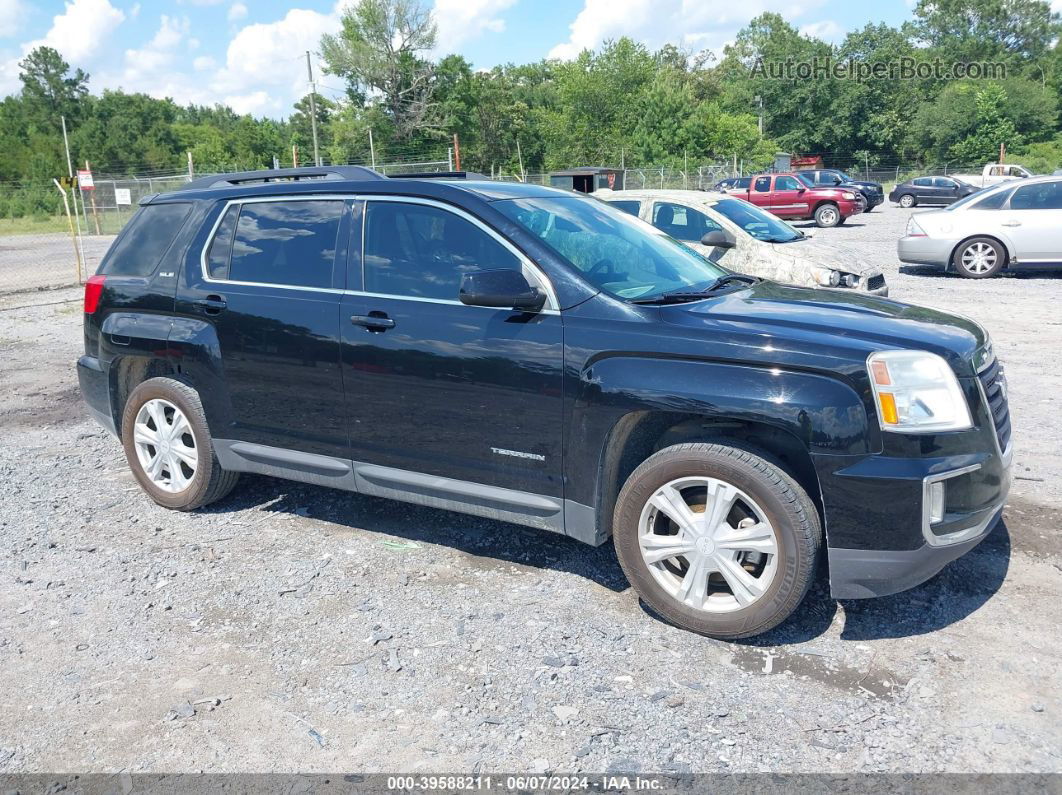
(994, 383)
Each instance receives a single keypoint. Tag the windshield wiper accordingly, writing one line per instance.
(688, 295)
(730, 278)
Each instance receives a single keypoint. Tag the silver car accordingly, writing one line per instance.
(745, 239)
(1012, 225)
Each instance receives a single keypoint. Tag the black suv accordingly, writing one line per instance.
(872, 192)
(534, 356)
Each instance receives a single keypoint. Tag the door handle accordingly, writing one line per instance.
(212, 304)
(1011, 223)
(373, 321)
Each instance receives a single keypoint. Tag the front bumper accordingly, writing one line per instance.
(925, 250)
(95, 390)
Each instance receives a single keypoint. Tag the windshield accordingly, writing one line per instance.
(612, 250)
(845, 177)
(759, 224)
(807, 180)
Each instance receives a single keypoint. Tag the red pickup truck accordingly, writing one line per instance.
(788, 196)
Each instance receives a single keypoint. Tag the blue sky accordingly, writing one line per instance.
(251, 53)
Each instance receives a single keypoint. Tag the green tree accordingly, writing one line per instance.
(993, 129)
(50, 90)
(382, 48)
(1012, 31)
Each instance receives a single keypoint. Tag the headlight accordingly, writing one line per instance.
(847, 195)
(917, 392)
(825, 277)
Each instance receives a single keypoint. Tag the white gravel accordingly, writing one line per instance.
(293, 628)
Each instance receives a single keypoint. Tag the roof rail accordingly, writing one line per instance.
(357, 173)
(440, 175)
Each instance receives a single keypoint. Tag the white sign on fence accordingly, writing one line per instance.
(121, 196)
(84, 179)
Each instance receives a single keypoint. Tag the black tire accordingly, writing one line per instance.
(907, 201)
(979, 269)
(827, 215)
(210, 482)
(784, 503)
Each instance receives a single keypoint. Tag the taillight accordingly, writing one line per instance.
(93, 291)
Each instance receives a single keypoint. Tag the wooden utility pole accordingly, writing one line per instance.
(520, 157)
(95, 218)
(313, 109)
(191, 169)
(70, 223)
(457, 154)
(372, 150)
(294, 155)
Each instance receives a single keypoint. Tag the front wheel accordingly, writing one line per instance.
(979, 258)
(168, 446)
(716, 539)
(827, 215)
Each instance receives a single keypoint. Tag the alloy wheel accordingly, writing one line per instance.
(708, 544)
(907, 201)
(165, 445)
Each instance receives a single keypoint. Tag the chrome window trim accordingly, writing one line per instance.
(529, 268)
(205, 270)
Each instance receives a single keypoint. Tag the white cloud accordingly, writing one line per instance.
(134, 12)
(80, 30)
(825, 29)
(142, 65)
(460, 21)
(237, 11)
(696, 24)
(11, 12)
(204, 63)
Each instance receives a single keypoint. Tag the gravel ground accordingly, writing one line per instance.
(293, 628)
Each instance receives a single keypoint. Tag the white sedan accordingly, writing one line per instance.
(743, 238)
(1013, 225)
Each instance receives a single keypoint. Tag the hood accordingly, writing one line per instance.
(860, 183)
(812, 252)
(801, 322)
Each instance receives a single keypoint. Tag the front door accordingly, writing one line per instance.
(438, 388)
(1033, 222)
(270, 285)
(789, 201)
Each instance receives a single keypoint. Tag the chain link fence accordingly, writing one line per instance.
(43, 247)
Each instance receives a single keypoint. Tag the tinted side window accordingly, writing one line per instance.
(286, 242)
(1045, 196)
(421, 251)
(763, 184)
(923, 182)
(992, 202)
(629, 207)
(149, 235)
(682, 223)
(943, 182)
(787, 183)
(221, 245)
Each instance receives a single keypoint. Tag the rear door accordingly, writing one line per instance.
(760, 193)
(437, 388)
(1033, 222)
(269, 281)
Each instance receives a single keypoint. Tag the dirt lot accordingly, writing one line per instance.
(293, 628)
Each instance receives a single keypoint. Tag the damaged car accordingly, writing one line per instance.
(743, 238)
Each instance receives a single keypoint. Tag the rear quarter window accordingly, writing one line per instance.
(139, 250)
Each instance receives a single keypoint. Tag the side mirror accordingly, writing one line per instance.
(717, 238)
(505, 289)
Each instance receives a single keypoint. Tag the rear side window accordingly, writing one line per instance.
(629, 207)
(139, 251)
(763, 184)
(993, 201)
(218, 256)
(286, 243)
(923, 182)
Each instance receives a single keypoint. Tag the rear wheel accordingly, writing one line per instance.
(168, 446)
(827, 215)
(979, 258)
(716, 540)
(907, 201)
